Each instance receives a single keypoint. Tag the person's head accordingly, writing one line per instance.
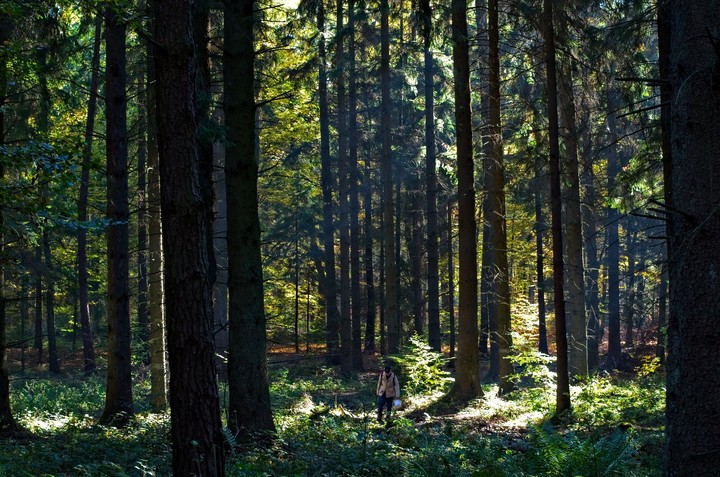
(387, 368)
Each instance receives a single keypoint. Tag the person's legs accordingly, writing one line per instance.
(388, 405)
(380, 403)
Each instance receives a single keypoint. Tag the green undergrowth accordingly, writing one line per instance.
(326, 427)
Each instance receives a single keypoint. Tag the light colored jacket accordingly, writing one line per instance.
(389, 385)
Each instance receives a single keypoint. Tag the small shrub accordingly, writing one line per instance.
(423, 368)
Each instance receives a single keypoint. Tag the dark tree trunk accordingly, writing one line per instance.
(346, 363)
(692, 376)
(142, 257)
(118, 396)
(156, 310)
(356, 310)
(451, 278)
(7, 421)
(37, 285)
(196, 430)
(332, 313)
(368, 258)
(467, 383)
(249, 409)
(592, 271)
(89, 364)
(416, 252)
(392, 317)
(563, 381)
(662, 315)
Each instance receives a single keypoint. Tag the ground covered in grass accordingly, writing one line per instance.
(326, 427)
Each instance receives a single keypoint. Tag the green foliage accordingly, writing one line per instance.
(326, 426)
(554, 453)
(422, 368)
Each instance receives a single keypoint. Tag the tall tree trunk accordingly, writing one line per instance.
(592, 275)
(332, 313)
(574, 269)
(631, 288)
(495, 209)
(197, 437)
(612, 256)
(118, 395)
(562, 402)
(203, 101)
(143, 320)
(392, 317)
(346, 349)
(156, 310)
(467, 383)
(356, 310)
(89, 364)
(431, 186)
(488, 313)
(692, 377)
(368, 260)
(249, 409)
(43, 128)
(7, 421)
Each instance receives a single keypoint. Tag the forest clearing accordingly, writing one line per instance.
(326, 426)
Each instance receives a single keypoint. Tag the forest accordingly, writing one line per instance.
(220, 221)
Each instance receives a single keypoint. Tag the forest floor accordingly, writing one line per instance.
(326, 426)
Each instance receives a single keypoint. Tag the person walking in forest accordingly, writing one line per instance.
(388, 390)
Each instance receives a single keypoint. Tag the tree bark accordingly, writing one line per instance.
(143, 318)
(197, 437)
(495, 209)
(562, 401)
(467, 382)
(332, 313)
(692, 378)
(354, 205)
(156, 309)
(7, 421)
(392, 317)
(118, 397)
(53, 363)
(249, 408)
(89, 365)
(573, 240)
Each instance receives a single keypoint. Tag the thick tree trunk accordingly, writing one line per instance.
(89, 365)
(249, 409)
(467, 382)
(197, 437)
(495, 210)
(562, 402)
(156, 309)
(574, 268)
(118, 397)
(7, 421)
(692, 377)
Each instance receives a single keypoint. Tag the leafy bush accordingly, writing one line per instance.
(422, 367)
